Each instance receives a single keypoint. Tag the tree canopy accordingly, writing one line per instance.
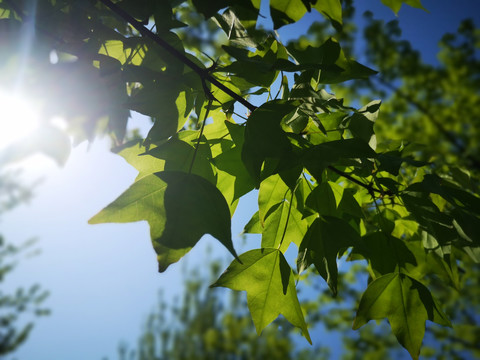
(329, 178)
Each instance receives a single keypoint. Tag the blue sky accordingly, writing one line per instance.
(103, 278)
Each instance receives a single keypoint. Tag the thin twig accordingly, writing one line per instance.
(174, 52)
(369, 188)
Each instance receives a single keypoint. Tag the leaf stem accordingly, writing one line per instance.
(288, 218)
(200, 135)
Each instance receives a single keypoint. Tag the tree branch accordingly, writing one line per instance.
(204, 74)
(174, 52)
(369, 188)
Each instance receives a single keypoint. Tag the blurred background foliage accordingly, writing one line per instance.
(434, 109)
(206, 324)
(19, 307)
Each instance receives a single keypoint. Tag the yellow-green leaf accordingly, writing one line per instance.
(406, 303)
(179, 207)
(268, 280)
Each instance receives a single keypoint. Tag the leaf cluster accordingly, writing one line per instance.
(325, 182)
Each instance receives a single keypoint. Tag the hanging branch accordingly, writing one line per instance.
(203, 73)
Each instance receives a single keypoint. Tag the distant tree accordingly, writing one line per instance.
(207, 324)
(16, 308)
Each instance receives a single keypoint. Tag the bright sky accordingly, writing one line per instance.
(103, 278)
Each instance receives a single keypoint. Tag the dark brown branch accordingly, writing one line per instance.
(203, 73)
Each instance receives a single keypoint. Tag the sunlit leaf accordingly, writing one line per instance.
(179, 207)
(395, 5)
(283, 226)
(272, 191)
(285, 12)
(268, 280)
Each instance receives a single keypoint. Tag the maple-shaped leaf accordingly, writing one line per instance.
(268, 280)
(284, 226)
(323, 241)
(272, 191)
(258, 148)
(179, 207)
(406, 303)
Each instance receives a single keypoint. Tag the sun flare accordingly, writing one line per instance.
(18, 118)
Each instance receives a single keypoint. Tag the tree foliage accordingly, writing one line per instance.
(326, 182)
(18, 306)
(207, 325)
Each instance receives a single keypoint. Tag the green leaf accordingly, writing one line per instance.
(323, 242)
(386, 254)
(406, 303)
(178, 153)
(165, 105)
(450, 192)
(468, 227)
(332, 9)
(179, 207)
(324, 200)
(236, 32)
(256, 68)
(361, 123)
(135, 154)
(349, 204)
(268, 280)
(258, 147)
(230, 164)
(285, 12)
(395, 5)
(283, 226)
(342, 152)
(437, 224)
(253, 226)
(332, 63)
(272, 191)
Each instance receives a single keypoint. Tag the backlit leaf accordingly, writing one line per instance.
(395, 5)
(179, 207)
(406, 303)
(283, 226)
(258, 147)
(285, 12)
(324, 240)
(272, 191)
(268, 280)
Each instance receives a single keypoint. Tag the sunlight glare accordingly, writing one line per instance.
(18, 118)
